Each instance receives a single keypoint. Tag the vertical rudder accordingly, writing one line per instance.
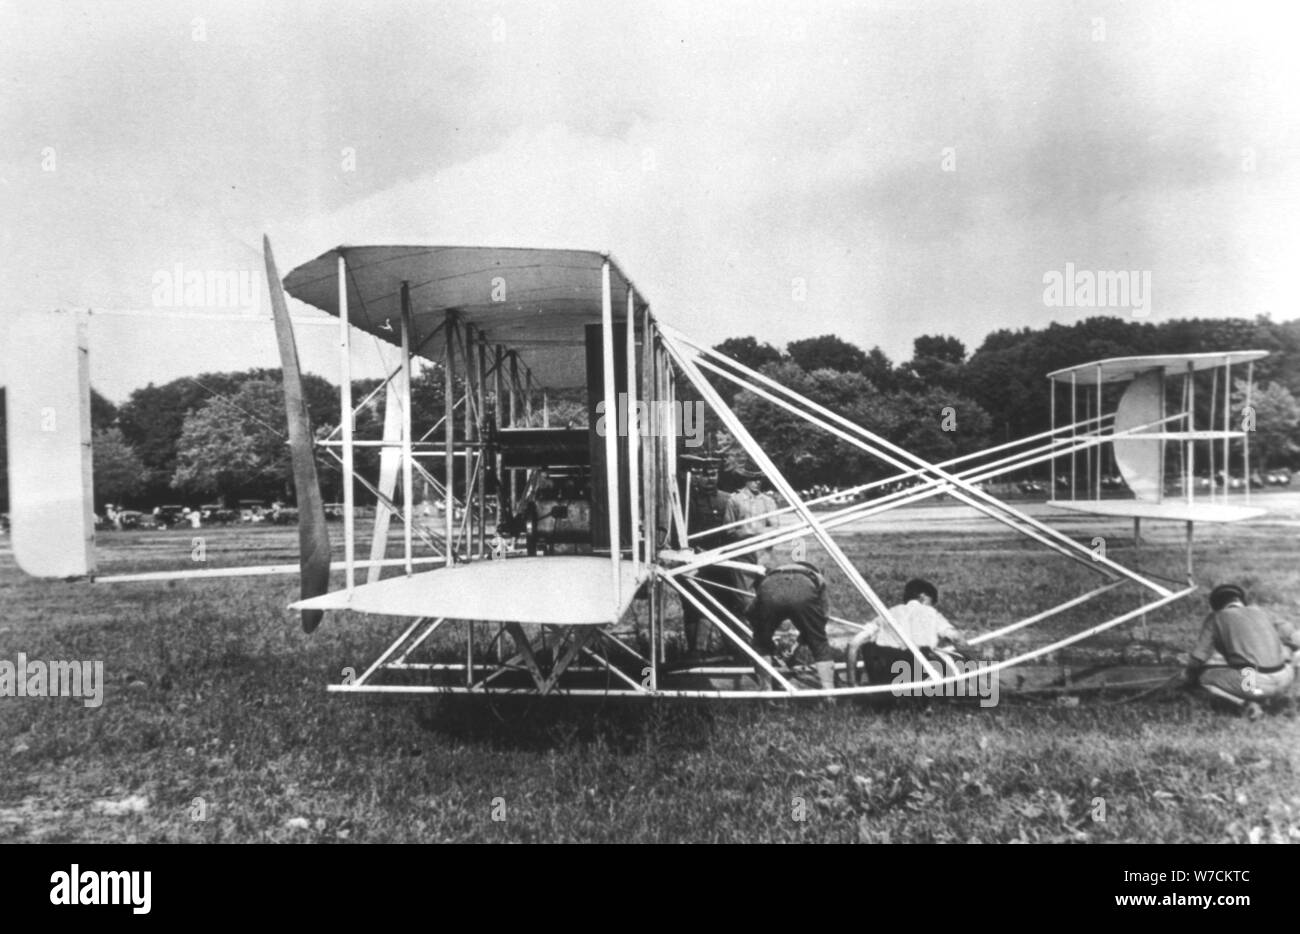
(51, 481)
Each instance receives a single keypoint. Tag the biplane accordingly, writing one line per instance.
(583, 608)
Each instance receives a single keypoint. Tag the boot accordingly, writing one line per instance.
(826, 675)
(762, 677)
(851, 666)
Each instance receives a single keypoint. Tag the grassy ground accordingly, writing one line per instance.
(215, 709)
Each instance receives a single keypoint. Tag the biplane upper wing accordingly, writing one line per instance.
(1122, 369)
(535, 301)
(568, 590)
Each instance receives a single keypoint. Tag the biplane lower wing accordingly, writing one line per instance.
(568, 590)
(1170, 509)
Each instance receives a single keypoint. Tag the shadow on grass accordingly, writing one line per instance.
(537, 724)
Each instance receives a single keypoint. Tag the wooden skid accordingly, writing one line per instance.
(546, 664)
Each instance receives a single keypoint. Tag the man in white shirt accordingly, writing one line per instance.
(924, 625)
(757, 510)
(752, 504)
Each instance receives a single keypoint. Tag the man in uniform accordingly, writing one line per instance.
(707, 507)
(796, 592)
(1241, 656)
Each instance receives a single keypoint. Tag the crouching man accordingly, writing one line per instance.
(929, 630)
(796, 592)
(1241, 656)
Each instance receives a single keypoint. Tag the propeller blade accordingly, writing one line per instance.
(313, 536)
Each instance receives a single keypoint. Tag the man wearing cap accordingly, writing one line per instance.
(1242, 656)
(707, 510)
(925, 626)
(796, 592)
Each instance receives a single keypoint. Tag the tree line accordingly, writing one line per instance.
(943, 403)
(222, 436)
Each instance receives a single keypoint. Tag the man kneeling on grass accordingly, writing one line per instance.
(1241, 655)
(928, 629)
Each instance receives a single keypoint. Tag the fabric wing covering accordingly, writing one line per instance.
(567, 590)
(536, 302)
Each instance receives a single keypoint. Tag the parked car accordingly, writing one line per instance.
(165, 517)
(129, 519)
(216, 514)
(282, 515)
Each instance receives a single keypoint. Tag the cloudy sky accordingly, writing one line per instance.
(879, 170)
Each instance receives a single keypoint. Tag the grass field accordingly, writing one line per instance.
(215, 708)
